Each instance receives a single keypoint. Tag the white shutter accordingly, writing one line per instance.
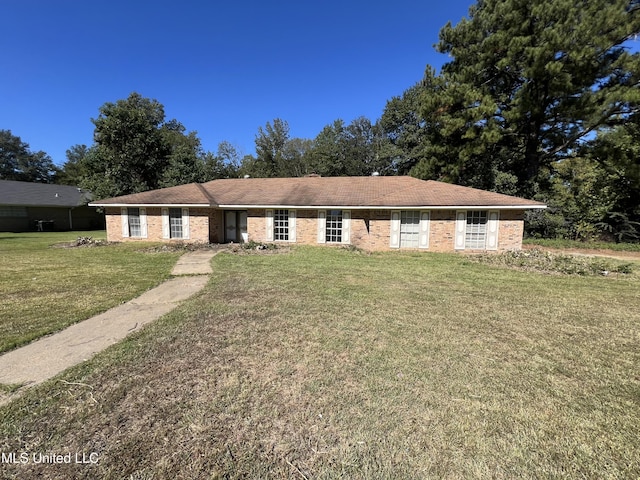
(394, 237)
(461, 228)
(124, 217)
(424, 229)
(165, 223)
(269, 223)
(346, 226)
(185, 223)
(492, 229)
(143, 222)
(322, 225)
(292, 226)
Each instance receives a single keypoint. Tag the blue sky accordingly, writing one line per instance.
(222, 69)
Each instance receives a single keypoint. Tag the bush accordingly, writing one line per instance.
(547, 262)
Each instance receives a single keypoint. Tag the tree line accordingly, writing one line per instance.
(539, 99)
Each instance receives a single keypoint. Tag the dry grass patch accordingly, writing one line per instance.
(330, 364)
(556, 263)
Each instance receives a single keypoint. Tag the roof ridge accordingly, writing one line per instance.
(205, 193)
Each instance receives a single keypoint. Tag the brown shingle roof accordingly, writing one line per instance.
(382, 192)
(189, 194)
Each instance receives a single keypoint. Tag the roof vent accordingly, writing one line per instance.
(247, 176)
(375, 174)
(57, 195)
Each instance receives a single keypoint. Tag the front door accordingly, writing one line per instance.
(235, 226)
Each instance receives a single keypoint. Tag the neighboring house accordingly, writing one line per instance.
(27, 206)
(373, 213)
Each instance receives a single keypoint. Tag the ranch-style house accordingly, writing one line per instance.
(373, 213)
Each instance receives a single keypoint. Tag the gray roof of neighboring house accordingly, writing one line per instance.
(356, 192)
(30, 194)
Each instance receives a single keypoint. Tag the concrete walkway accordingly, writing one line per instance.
(45, 358)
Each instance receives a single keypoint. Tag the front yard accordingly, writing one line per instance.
(329, 363)
(44, 288)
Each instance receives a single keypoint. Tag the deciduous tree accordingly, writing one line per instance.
(136, 150)
(18, 162)
(74, 169)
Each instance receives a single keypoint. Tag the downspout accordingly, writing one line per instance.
(70, 219)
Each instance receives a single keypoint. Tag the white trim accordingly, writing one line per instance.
(493, 227)
(151, 205)
(124, 218)
(379, 207)
(425, 227)
(461, 230)
(322, 225)
(292, 226)
(394, 236)
(269, 224)
(346, 226)
(185, 224)
(166, 233)
(143, 222)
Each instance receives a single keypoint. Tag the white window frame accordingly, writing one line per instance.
(271, 224)
(424, 227)
(173, 225)
(124, 217)
(166, 224)
(476, 232)
(491, 230)
(345, 228)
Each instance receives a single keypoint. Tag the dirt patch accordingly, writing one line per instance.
(183, 247)
(82, 242)
(253, 248)
(556, 263)
(634, 256)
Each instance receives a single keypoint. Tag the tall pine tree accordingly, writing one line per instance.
(529, 81)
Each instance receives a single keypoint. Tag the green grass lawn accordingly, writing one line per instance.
(327, 363)
(44, 289)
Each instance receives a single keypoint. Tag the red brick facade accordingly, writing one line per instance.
(198, 226)
(369, 229)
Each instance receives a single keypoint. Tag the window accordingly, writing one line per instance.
(334, 226)
(175, 223)
(135, 226)
(6, 211)
(281, 225)
(476, 231)
(409, 229)
(134, 222)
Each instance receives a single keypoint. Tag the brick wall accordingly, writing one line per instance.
(198, 226)
(216, 226)
(114, 224)
(511, 230)
(442, 230)
(370, 229)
